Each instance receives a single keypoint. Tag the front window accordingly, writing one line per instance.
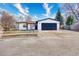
(24, 26)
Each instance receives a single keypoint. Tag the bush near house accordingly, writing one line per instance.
(69, 22)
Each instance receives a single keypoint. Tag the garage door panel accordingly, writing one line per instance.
(49, 26)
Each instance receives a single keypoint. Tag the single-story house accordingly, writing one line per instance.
(44, 24)
(29, 25)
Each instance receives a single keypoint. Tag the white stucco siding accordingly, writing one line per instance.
(47, 21)
(17, 26)
(28, 26)
(21, 26)
(31, 26)
(58, 25)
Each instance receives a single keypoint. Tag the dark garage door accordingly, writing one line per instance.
(49, 26)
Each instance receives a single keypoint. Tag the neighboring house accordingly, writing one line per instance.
(75, 26)
(44, 24)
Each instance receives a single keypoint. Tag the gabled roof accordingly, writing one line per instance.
(46, 19)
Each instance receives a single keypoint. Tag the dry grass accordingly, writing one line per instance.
(48, 43)
(19, 33)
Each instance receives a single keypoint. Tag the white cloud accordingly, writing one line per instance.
(1, 11)
(21, 9)
(53, 16)
(35, 17)
(26, 10)
(48, 9)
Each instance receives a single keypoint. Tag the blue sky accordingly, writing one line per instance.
(38, 10)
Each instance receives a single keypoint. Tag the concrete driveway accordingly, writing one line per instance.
(47, 43)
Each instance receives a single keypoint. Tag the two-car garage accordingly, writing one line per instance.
(48, 24)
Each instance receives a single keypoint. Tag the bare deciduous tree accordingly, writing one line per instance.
(7, 21)
(29, 18)
(71, 8)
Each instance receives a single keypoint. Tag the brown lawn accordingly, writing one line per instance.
(47, 43)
